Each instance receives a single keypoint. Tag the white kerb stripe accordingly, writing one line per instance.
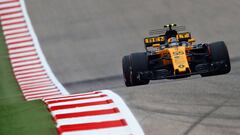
(13, 21)
(27, 82)
(38, 92)
(24, 59)
(29, 91)
(15, 31)
(68, 96)
(21, 49)
(26, 63)
(12, 15)
(89, 119)
(10, 10)
(4, 0)
(14, 26)
(84, 109)
(9, 5)
(107, 131)
(43, 95)
(27, 67)
(36, 84)
(20, 45)
(49, 87)
(80, 101)
(29, 75)
(18, 40)
(32, 78)
(22, 54)
(29, 71)
(85, 96)
(17, 35)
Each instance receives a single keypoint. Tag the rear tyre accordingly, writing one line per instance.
(139, 63)
(126, 70)
(219, 53)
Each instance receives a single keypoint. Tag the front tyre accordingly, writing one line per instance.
(139, 63)
(126, 70)
(218, 54)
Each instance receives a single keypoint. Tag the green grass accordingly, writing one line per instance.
(17, 116)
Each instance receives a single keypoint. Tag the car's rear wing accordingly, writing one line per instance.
(149, 41)
(163, 30)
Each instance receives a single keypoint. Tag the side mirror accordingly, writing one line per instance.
(156, 45)
(191, 40)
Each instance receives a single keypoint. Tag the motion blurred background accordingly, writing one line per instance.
(86, 39)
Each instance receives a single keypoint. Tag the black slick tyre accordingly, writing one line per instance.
(218, 53)
(126, 70)
(139, 63)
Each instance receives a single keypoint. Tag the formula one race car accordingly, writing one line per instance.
(171, 55)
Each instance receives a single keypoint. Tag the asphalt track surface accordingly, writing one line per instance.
(85, 40)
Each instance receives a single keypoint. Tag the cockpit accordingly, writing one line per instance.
(168, 37)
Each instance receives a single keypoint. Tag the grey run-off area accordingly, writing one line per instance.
(85, 40)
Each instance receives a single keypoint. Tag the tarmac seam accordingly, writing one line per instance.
(205, 116)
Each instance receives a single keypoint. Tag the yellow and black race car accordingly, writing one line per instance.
(172, 55)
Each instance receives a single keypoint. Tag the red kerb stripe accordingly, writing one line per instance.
(88, 113)
(13, 18)
(44, 92)
(32, 76)
(13, 43)
(14, 23)
(40, 97)
(32, 50)
(35, 84)
(20, 47)
(36, 87)
(45, 89)
(53, 108)
(37, 63)
(26, 31)
(10, 29)
(25, 60)
(38, 91)
(18, 37)
(6, 2)
(92, 126)
(80, 98)
(48, 80)
(6, 8)
(30, 55)
(42, 70)
(11, 13)
(75, 95)
(40, 66)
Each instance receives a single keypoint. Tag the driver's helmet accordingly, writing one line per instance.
(173, 41)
